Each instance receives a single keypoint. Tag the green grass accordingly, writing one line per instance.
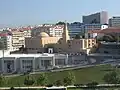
(83, 76)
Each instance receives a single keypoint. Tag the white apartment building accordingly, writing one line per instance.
(7, 42)
(13, 39)
(56, 31)
(18, 38)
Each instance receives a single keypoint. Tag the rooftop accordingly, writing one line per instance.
(43, 35)
(107, 30)
(29, 55)
(111, 43)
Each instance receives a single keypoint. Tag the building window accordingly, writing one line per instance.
(59, 42)
(69, 46)
(68, 41)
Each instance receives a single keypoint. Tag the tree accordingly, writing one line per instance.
(29, 80)
(70, 79)
(58, 83)
(107, 38)
(42, 80)
(60, 23)
(2, 81)
(94, 48)
(49, 85)
(92, 84)
(77, 36)
(12, 88)
(111, 78)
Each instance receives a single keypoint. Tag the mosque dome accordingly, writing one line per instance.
(43, 34)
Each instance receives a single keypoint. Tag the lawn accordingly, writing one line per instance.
(83, 76)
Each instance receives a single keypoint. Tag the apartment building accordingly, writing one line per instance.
(18, 37)
(114, 22)
(7, 42)
(56, 31)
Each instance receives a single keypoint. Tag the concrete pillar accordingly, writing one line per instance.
(33, 64)
(2, 65)
(15, 60)
(66, 59)
(21, 65)
(43, 63)
(40, 63)
(53, 59)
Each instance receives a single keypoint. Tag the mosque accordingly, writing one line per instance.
(43, 43)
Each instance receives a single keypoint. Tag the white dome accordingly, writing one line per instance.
(43, 34)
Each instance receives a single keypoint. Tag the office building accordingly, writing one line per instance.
(114, 22)
(87, 27)
(97, 18)
(74, 29)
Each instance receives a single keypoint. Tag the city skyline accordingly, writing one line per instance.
(29, 12)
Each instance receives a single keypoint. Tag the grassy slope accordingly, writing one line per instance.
(82, 76)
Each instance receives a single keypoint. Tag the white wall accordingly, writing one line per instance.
(104, 27)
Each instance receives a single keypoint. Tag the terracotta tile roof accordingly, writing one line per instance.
(3, 34)
(108, 30)
(58, 27)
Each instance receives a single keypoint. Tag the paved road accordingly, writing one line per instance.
(38, 87)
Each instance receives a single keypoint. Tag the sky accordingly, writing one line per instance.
(32, 12)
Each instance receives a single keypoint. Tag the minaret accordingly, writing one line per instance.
(66, 36)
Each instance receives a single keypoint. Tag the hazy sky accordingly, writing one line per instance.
(31, 12)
